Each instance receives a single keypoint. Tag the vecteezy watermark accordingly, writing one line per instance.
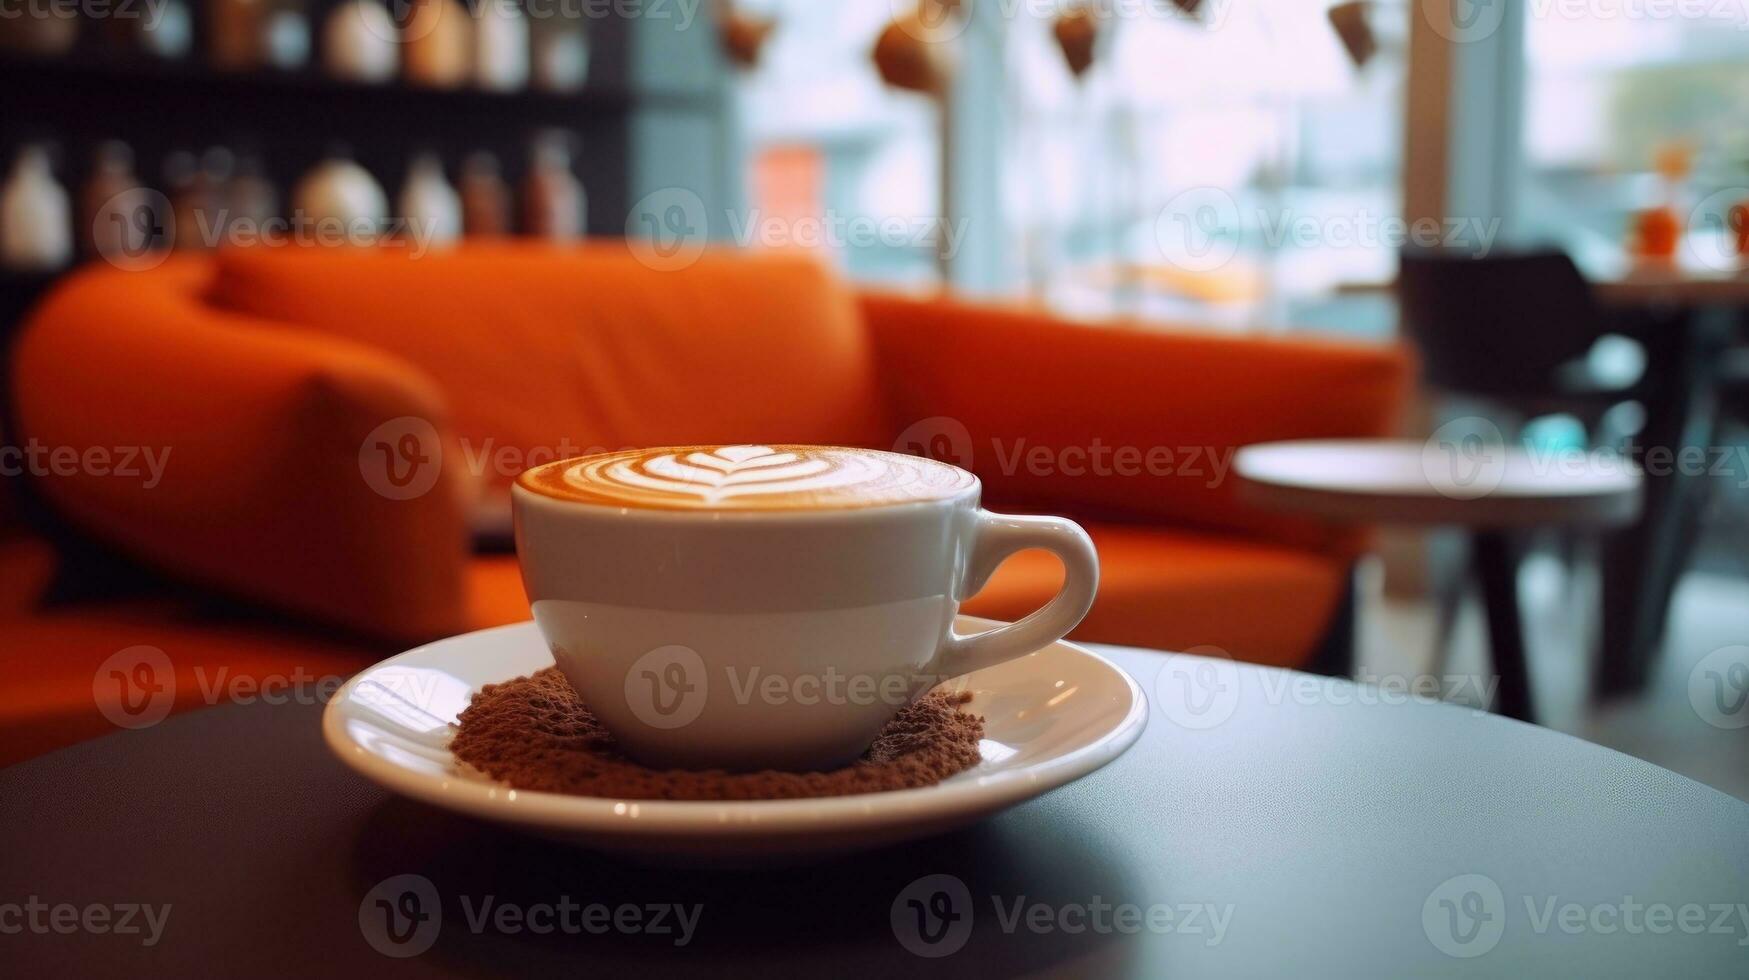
(1201, 229)
(1466, 21)
(143, 463)
(402, 917)
(150, 13)
(1719, 229)
(947, 440)
(136, 687)
(1201, 689)
(837, 231)
(669, 686)
(132, 228)
(409, 22)
(1466, 917)
(403, 458)
(670, 229)
(1718, 688)
(37, 917)
(934, 916)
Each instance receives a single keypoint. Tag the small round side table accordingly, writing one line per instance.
(1490, 490)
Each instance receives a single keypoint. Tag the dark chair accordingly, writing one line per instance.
(1513, 332)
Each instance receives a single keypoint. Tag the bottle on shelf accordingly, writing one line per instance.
(485, 198)
(40, 36)
(195, 210)
(36, 220)
(170, 35)
(431, 208)
(285, 34)
(501, 46)
(116, 220)
(252, 198)
(438, 43)
(360, 42)
(559, 54)
(339, 192)
(552, 197)
(235, 34)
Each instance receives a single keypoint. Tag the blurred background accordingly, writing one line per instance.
(1229, 168)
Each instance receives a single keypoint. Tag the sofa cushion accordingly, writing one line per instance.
(1165, 589)
(544, 351)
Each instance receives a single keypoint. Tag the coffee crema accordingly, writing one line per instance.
(748, 478)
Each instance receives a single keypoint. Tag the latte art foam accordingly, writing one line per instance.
(748, 478)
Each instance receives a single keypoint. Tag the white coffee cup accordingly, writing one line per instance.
(713, 615)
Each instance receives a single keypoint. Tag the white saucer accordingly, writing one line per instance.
(1050, 717)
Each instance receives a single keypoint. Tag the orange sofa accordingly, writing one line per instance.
(330, 427)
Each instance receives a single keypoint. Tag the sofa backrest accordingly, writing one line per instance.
(546, 352)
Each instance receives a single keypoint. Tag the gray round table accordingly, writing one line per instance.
(1267, 824)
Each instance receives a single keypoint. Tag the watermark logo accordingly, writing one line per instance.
(401, 916)
(143, 463)
(1465, 458)
(129, 229)
(933, 21)
(1464, 21)
(1722, 223)
(1199, 229)
(666, 688)
(1198, 689)
(1718, 688)
(932, 917)
(943, 439)
(668, 229)
(135, 687)
(402, 458)
(1465, 916)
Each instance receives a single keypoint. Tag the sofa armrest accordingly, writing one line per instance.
(233, 452)
(1123, 420)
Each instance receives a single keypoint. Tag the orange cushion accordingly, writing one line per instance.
(56, 668)
(1168, 590)
(1122, 419)
(544, 351)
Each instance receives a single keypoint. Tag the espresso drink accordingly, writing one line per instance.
(770, 607)
(761, 478)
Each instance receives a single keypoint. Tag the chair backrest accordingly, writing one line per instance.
(1498, 325)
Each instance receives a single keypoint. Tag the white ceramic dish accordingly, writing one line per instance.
(1051, 717)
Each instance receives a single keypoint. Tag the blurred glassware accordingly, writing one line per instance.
(485, 198)
(36, 221)
(340, 192)
(1658, 230)
(438, 40)
(252, 197)
(428, 204)
(114, 211)
(501, 46)
(360, 42)
(552, 198)
(170, 35)
(559, 53)
(41, 36)
(236, 37)
(285, 35)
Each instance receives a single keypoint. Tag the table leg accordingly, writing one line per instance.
(1641, 563)
(1497, 571)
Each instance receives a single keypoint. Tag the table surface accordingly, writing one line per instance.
(1314, 830)
(1433, 482)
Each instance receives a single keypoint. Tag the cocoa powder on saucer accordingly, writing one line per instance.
(535, 733)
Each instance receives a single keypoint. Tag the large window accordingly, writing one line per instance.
(1609, 86)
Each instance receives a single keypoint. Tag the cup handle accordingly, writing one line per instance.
(999, 536)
